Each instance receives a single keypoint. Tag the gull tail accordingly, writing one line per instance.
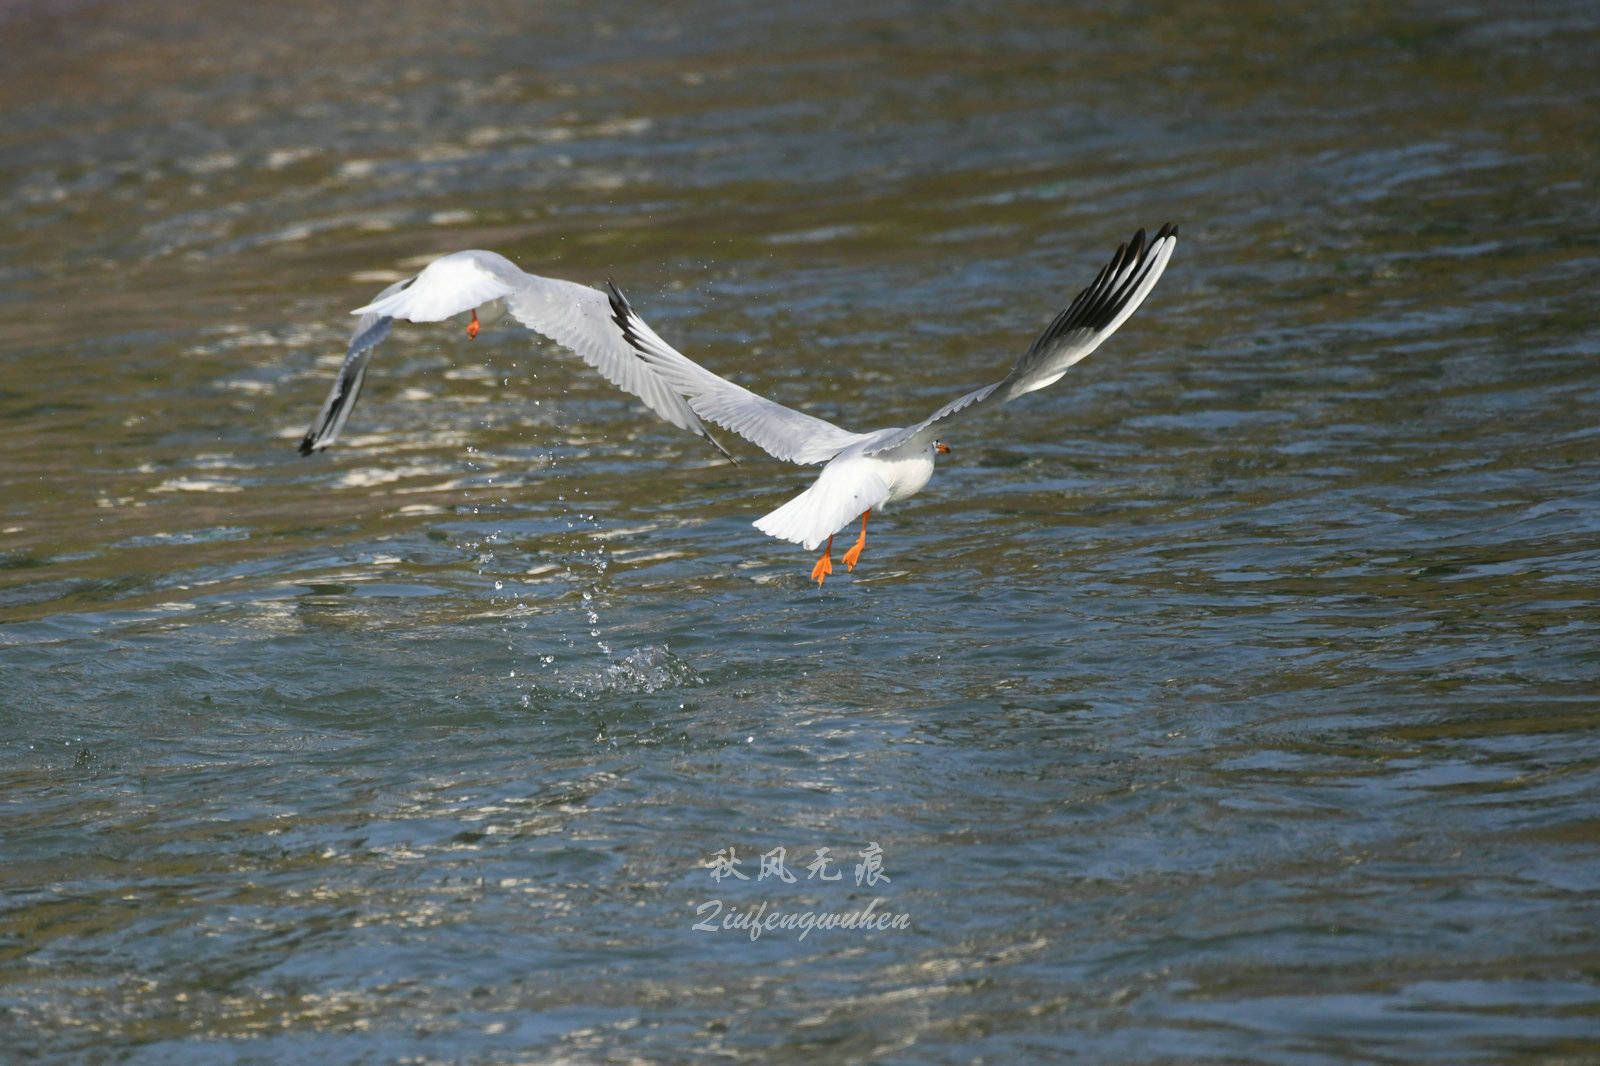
(841, 492)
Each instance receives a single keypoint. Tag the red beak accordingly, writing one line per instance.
(941, 448)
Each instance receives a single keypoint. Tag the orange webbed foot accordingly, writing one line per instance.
(824, 565)
(473, 327)
(853, 556)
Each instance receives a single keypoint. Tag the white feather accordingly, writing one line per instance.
(446, 287)
(841, 492)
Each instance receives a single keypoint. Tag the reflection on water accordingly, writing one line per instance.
(1232, 699)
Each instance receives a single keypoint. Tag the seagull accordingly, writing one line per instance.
(572, 315)
(865, 471)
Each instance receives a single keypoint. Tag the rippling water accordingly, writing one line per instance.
(1234, 700)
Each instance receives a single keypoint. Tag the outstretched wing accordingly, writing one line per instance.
(574, 316)
(579, 318)
(780, 431)
(369, 333)
(1093, 315)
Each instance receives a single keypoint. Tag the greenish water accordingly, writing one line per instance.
(1234, 700)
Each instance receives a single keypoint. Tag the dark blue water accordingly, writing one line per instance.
(1233, 700)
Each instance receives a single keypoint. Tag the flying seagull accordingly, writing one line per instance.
(863, 471)
(572, 315)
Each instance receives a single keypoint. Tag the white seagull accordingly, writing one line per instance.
(864, 471)
(572, 315)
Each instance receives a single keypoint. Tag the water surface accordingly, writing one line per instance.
(1233, 700)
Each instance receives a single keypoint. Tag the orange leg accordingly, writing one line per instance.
(824, 565)
(473, 327)
(853, 556)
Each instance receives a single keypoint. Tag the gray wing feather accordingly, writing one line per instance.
(579, 318)
(370, 331)
(574, 316)
(1092, 316)
(780, 431)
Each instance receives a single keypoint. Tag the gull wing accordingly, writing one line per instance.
(781, 432)
(1095, 314)
(579, 318)
(574, 316)
(368, 334)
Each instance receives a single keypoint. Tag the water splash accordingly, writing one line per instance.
(643, 671)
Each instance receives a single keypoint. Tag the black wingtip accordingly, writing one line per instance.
(717, 444)
(726, 454)
(1098, 304)
(622, 313)
(306, 447)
